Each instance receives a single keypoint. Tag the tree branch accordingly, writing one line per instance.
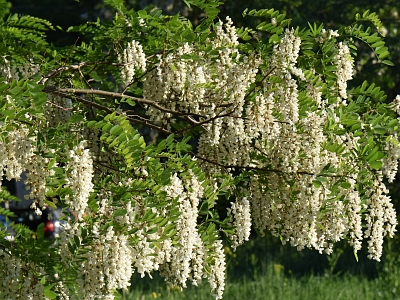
(54, 89)
(104, 108)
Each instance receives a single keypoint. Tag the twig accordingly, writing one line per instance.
(261, 169)
(257, 83)
(203, 122)
(71, 67)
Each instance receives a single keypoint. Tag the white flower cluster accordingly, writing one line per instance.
(21, 276)
(133, 60)
(107, 263)
(216, 278)
(260, 120)
(62, 290)
(57, 110)
(283, 64)
(212, 85)
(241, 215)
(142, 22)
(80, 170)
(327, 35)
(18, 155)
(6, 71)
(11, 73)
(381, 220)
(292, 202)
(310, 219)
(344, 71)
(391, 162)
(110, 259)
(142, 254)
(395, 105)
(108, 266)
(353, 215)
(186, 261)
(145, 257)
(36, 177)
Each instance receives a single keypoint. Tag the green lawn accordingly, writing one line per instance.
(264, 269)
(273, 284)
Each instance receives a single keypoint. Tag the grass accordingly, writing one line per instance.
(264, 269)
(272, 283)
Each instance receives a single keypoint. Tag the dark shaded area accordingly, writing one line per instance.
(50, 218)
(62, 13)
(251, 256)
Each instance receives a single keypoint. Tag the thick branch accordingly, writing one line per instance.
(106, 109)
(118, 95)
(187, 116)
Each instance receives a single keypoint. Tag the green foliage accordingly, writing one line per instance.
(372, 17)
(118, 5)
(118, 134)
(130, 168)
(4, 8)
(276, 22)
(210, 7)
(372, 39)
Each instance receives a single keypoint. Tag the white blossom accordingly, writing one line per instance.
(216, 277)
(327, 35)
(344, 72)
(395, 105)
(241, 215)
(20, 276)
(133, 60)
(80, 169)
(186, 261)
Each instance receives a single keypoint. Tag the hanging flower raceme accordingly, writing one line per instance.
(241, 215)
(80, 173)
(133, 60)
(344, 68)
(186, 260)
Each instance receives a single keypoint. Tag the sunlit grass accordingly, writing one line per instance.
(272, 283)
(264, 269)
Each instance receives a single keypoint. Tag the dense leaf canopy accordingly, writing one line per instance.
(164, 139)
